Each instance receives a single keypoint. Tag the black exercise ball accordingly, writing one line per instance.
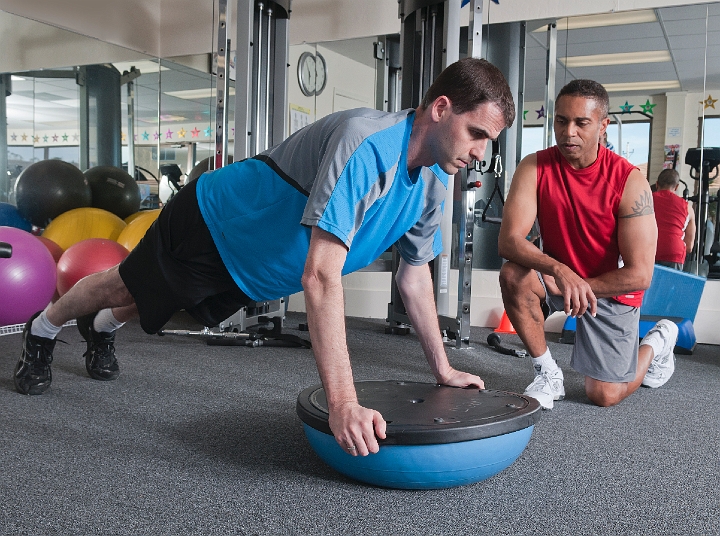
(46, 189)
(114, 190)
(203, 166)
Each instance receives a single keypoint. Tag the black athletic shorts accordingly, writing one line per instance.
(177, 266)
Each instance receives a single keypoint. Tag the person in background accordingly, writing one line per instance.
(675, 221)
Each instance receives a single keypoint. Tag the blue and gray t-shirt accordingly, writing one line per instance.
(347, 174)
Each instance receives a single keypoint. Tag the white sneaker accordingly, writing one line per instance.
(663, 364)
(547, 387)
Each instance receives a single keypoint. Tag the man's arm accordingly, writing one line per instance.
(518, 218)
(690, 230)
(637, 240)
(416, 288)
(351, 424)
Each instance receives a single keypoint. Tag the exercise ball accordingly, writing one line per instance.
(55, 250)
(80, 224)
(10, 217)
(27, 278)
(48, 188)
(136, 228)
(114, 190)
(87, 257)
(437, 436)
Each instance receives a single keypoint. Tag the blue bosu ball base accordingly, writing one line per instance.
(424, 466)
(437, 436)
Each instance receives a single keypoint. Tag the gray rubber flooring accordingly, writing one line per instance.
(194, 439)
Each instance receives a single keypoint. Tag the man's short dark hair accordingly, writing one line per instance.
(668, 178)
(470, 82)
(590, 90)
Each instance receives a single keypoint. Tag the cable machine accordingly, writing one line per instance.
(260, 104)
(430, 40)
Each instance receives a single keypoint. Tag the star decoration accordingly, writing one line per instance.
(195, 132)
(65, 137)
(13, 136)
(168, 135)
(208, 131)
(709, 102)
(45, 138)
(36, 139)
(647, 107)
(24, 137)
(76, 137)
(55, 138)
(626, 107)
(135, 137)
(146, 135)
(122, 136)
(157, 135)
(181, 133)
(525, 114)
(541, 112)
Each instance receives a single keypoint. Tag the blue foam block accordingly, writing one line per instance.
(424, 466)
(673, 293)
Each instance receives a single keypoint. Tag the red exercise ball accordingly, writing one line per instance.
(55, 250)
(87, 257)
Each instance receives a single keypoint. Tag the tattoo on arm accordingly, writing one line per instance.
(643, 206)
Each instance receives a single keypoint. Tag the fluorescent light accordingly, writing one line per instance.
(642, 86)
(622, 58)
(205, 93)
(16, 78)
(604, 19)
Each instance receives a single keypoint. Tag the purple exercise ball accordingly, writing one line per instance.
(27, 279)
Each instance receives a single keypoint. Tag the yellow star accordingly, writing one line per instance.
(122, 136)
(181, 133)
(709, 102)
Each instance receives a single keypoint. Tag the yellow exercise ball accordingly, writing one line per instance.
(80, 224)
(137, 227)
(142, 213)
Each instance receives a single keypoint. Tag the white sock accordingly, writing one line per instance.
(105, 322)
(41, 326)
(544, 362)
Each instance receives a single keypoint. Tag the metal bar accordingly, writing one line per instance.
(258, 83)
(267, 79)
(550, 66)
(243, 78)
(221, 87)
(423, 21)
(5, 88)
(131, 127)
(280, 80)
(84, 118)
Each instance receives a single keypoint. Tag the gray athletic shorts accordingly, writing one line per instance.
(606, 345)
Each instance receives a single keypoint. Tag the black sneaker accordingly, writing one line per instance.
(32, 372)
(100, 359)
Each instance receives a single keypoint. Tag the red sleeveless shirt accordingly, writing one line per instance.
(578, 213)
(671, 214)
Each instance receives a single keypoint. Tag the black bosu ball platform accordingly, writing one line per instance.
(437, 436)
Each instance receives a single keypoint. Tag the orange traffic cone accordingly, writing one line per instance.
(505, 325)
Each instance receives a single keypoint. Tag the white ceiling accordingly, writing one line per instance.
(679, 30)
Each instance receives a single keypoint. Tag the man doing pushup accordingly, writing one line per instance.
(325, 202)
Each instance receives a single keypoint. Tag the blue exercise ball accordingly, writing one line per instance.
(437, 436)
(10, 217)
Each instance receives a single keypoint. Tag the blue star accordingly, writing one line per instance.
(541, 112)
(146, 135)
(208, 131)
(626, 107)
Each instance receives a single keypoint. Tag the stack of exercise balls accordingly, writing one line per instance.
(80, 218)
